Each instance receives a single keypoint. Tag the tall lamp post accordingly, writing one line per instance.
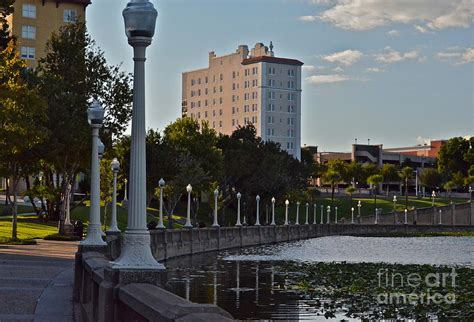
(470, 194)
(287, 203)
(161, 184)
(188, 224)
(329, 214)
(216, 194)
(322, 214)
(273, 212)
(307, 214)
(315, 209)
(139, 19)
(257, 221)
(395, 209)
(238, 223)
(115, 165)
(95, 114)
(433, 196)
(335, 213)
(352, 215)
(359, 205)
(297, 213)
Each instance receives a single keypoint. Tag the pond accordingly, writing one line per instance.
(338, 277)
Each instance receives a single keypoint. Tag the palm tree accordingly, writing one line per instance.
(350, 190)
(449, 186)
(389, 173)
(405, 175)
(332, 177)
(375, 180)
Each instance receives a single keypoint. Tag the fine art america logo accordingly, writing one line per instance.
(422, 287)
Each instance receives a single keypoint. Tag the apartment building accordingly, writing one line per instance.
(248, 87)
(33, 21)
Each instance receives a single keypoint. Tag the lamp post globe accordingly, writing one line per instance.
(139, 19)
(115, 166)
(287, 203)
(95, 116)
(352, 215)
(100, 149)
(433, 196)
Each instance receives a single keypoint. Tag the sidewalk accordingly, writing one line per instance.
(36, 281)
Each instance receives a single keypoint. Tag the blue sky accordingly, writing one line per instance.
(394, 71)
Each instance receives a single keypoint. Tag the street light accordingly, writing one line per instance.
(216, 194)
(376, 216)
(238, 210)
(440, 217)
(352, 215)
(188, 224)
(433, 196)
(139, 19)
(329, 214)
(257, 221)
(307, 210)
(359, 205)
(470, 194)
(395, 208)
(125, 198)
(322, 214)
(297, 213)
(406, 217)
(314, 214)
(335, 208)
(287, 203)
(273, 212)
(115, 165)
(161, 184)
(95, 115)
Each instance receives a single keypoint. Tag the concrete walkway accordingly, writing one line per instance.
(36, 281)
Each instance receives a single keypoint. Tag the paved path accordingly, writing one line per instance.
(36, 282)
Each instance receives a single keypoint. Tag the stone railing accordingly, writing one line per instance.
(107, 295)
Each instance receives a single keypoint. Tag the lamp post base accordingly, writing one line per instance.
(136, 252)
(94, 236)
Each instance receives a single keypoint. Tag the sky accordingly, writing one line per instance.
(397, 72)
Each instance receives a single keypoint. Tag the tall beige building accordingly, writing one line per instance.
(248, 87)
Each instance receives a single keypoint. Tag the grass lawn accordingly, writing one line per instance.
(28, 228)
(22, 209)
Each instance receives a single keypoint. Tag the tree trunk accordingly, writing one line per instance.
(375, 202)
(332, 193)
(7, 191)
(406, 193)
(28, 187)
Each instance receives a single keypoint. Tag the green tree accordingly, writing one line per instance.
(449, 186)
(457, 155)
(375, 180)
(333, 178)
(430, 178)
(405, 174)
(72, 73)
(350, 191)
(6, 9)
(22, 116)
(389, 173)
(354, 172)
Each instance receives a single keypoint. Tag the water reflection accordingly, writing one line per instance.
(270, 282)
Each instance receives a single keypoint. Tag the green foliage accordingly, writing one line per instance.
(456, 156)
(6, 9)
(430, 178)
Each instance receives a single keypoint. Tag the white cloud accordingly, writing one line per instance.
(307, 18)
(338, 69)
(333, 78)
(327, 79)
(421, 29)
(369, 14)
(457, 56)
(346, 57)
(375, 70)
(390, 56)
(309, 68)
(394, 33)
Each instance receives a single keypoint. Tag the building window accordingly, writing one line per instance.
(220, 123)
(28, 32)
(205, 114)
(220, 113)
(205, 102)
(233, 122)
(291, 96)
(220, 100)
(199, 115)
(192, 82)
(221, 89)
(221, 77)
(206, 91)
(199, 103)
(199, 81)
(271, 70)
(214, 113)
(233, 111)
(207, 79)
(271, 95)
(271, 120)
(233, 74)
(29, 11)
(28, 52)
(271, 107)
(213, 124)
(199, 92)
(70, 15)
